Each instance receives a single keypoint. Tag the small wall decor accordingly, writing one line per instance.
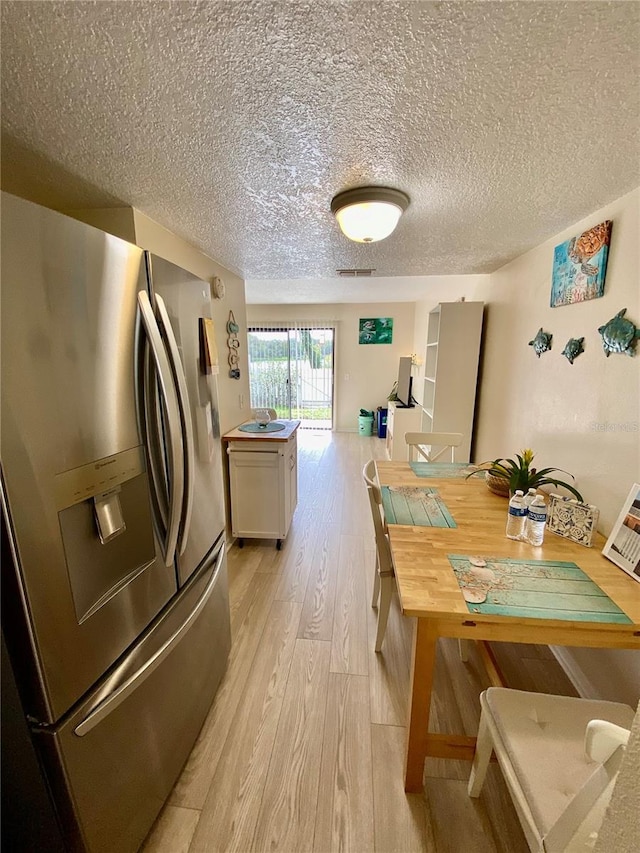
(208, 347)
(376, 331)
(580, 266)
(234, 345)
(623, 546)
(572, 519)
(573, 348)
(542, 342)
(218, 288)
(619, 335)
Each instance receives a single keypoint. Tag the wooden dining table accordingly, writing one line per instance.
(429, 589)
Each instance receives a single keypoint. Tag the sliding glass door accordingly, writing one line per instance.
(291, 371)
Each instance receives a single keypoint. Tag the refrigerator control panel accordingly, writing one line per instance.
(98, 477)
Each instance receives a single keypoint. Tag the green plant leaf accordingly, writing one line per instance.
(550, 481)
(520, 476)
(544, 471)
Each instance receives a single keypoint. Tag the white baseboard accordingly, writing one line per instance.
(574, 673)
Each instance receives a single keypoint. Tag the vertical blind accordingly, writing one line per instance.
(291, 369)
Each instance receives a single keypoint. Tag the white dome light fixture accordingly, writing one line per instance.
(368, 214)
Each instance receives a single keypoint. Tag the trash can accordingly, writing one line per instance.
(365, 422)
(382, 422)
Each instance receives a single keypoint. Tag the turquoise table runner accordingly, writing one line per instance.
(420, 507)
(453, 470)
(534, 589)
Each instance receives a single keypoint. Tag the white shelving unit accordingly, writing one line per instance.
(452, 355)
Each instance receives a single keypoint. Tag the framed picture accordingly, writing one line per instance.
(377, 330)
(580, 266)
(623, 546)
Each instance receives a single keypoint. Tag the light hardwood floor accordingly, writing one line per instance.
(303, 747)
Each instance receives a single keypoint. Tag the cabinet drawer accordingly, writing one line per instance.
(255, 446)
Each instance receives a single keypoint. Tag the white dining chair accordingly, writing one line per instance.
(559, 756)
(384, 574)
(383, 577)
(272, 412)
(432, 445)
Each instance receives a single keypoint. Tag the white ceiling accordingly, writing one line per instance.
(234, 124)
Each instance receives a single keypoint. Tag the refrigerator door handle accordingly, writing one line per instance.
(155, 452)
(146, 410)
(185, 411)
(120, 693)
(173, 425)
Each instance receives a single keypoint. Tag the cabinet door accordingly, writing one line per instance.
(257, 498)
(390, 429)
(403, 420)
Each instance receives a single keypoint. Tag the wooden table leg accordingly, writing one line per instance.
(422, 670)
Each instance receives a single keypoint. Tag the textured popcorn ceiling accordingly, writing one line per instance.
(234, 123)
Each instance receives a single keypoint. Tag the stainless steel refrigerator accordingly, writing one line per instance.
(115, 604)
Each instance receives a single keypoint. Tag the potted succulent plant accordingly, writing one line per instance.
(505, 476)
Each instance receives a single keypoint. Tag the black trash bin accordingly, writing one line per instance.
(382, 423)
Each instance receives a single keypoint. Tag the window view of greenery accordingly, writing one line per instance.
(291, 371)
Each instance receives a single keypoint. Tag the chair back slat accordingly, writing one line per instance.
(432, 445)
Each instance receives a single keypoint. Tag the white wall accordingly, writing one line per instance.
(583, 417)
(372, 368)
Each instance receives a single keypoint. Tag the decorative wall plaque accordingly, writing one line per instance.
(572, 519)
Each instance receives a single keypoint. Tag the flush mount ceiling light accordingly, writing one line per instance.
(367, 214)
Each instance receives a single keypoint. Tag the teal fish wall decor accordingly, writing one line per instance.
(573, 348)
(619, 335)
(541, 343)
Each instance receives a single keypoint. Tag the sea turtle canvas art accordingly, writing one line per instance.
(619, 335)
(580, 266)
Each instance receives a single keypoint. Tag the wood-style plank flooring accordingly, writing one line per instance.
(303, 747)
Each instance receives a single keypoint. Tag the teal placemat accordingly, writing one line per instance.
(416, 506)
(272, 426)
(454, 470)
(534, 589)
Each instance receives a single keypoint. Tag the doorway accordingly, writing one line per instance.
(291, 371)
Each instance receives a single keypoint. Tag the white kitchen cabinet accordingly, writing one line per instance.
(452, 355)
(399, 421)
(263, 482)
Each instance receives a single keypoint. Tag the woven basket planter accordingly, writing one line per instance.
(497, 485)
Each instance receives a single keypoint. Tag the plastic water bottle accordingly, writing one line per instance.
(536, 521)
(528, 498)
(516, 517)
